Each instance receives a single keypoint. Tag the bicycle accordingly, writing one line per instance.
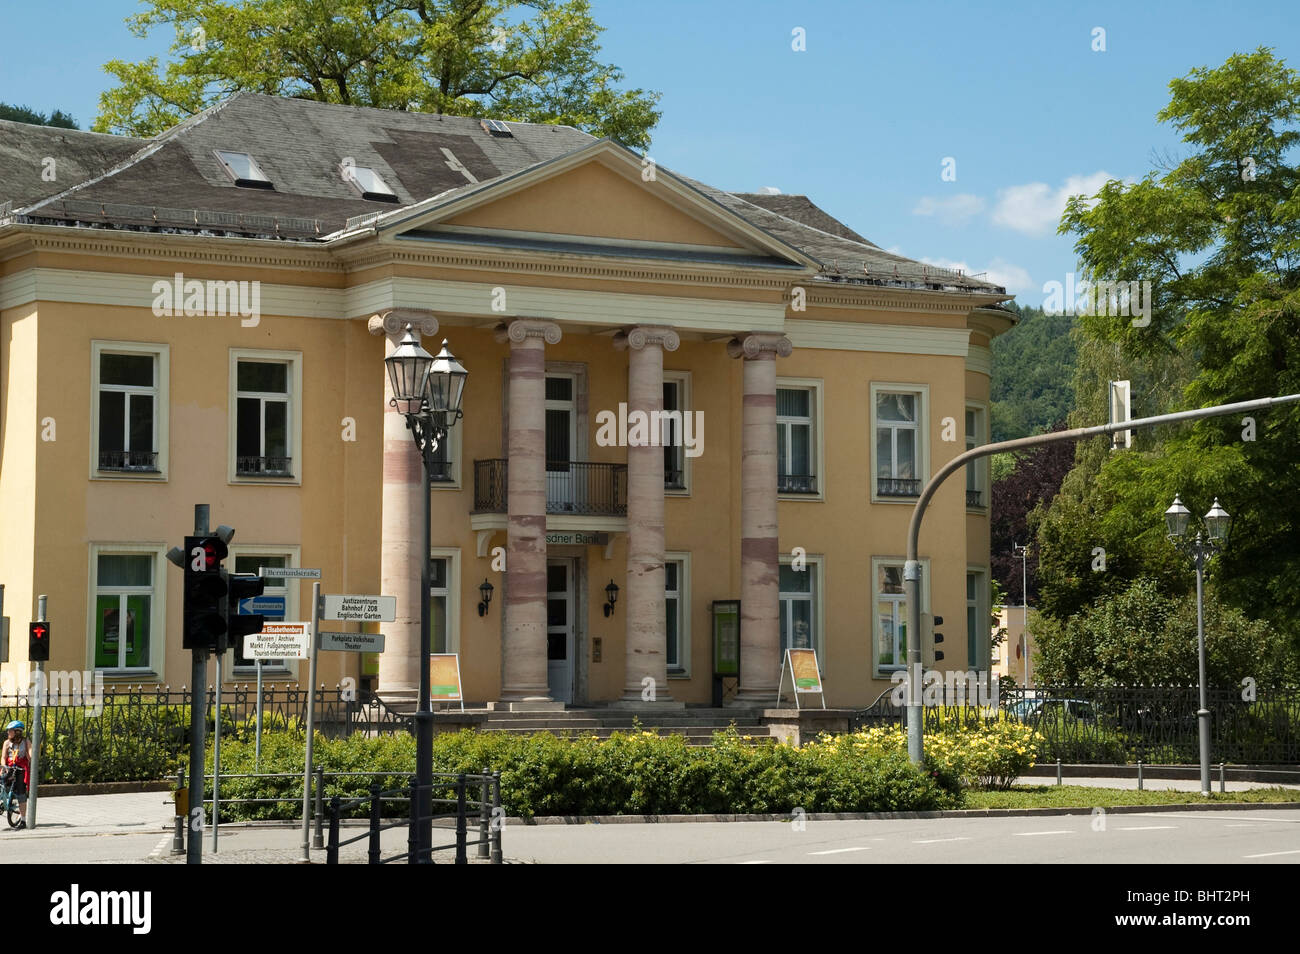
(10, 803)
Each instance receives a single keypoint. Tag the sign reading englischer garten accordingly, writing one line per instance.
(359, 609)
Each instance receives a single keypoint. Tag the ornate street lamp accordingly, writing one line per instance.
(428, 392)
(1218, 523)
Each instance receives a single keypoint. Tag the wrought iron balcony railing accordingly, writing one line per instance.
(264, 466)
(975, 498)
(572, 486)
(796, 484)
(129, 461)
(897, 487)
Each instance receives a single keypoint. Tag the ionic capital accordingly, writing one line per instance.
(521, 328)
(394, 322)
(760, 345)
(638, 337)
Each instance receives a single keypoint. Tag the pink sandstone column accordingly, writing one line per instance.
(760, 639)
(523, 676)
(644, 601)
(399, 561)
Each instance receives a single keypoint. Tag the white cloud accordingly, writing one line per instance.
(1000, 272)
(1035, 208)
(957, 210)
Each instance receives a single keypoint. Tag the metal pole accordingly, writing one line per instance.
(1139, 775)
(424, 713)
(257, 737)
(318, 840)
(1223, 779)
(216, 759)
(311, 723)
(461, 828)
(1024, 606)
(1203, 714)
(198, 726)
(37, 724)
(178, 837)
(498, 818)
(912, 568)
(484, 812)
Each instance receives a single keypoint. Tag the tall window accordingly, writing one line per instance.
(671, 438)
(674, 570)
(130, 407)
(797, 613)
(795, 447)
(123, 610)
(442, 462)
(898, 447)
(250, 563)
(262, 441)
(974, 470)
(891, 617)
(439, 593)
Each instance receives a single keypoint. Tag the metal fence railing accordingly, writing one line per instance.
(1119, 724)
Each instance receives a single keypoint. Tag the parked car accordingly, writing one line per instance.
(1033, 710)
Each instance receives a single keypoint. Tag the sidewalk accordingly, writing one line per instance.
(92, 814)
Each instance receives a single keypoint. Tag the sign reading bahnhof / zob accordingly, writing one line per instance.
(359, 609)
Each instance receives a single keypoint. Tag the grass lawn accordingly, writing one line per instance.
(1087, 797)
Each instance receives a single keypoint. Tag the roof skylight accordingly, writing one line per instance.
(496, 127)
(369, 183)
(244, 169)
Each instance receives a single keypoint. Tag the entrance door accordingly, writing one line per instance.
(560, 629)
(561, 420)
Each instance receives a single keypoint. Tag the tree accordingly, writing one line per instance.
(25, 114)
(1217, 237)
(1033, 364)
(526, 60)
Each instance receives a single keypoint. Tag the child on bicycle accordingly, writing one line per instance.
(17, 759)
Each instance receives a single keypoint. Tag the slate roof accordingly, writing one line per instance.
(175, 182)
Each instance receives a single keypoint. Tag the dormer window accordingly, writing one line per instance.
(369, 184)
(496, 127)
(244, 169)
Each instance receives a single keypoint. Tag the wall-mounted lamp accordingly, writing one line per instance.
(611, 595)
(485, 591)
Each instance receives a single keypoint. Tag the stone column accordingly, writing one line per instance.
(760, 565)
(643, 602)
(523, 676)
(401, 536)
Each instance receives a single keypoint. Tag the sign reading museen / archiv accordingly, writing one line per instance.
(577, 538)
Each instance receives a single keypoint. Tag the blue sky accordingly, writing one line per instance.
(861, 120)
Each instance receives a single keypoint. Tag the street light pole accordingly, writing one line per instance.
(1022, 551)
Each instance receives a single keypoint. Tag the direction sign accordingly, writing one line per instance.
(265, 605)
(279, 641)
(360, 609)
(288, 573)
(353, 642)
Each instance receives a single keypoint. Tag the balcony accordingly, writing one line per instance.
(129, 461)
(796, 484)
(572, 487)
(264, 466)
(975, 499)
(897, 487)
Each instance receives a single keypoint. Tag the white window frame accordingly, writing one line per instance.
(161, 354)
(157, 609)
(683, 670)
(884, 672)
(453, 451)
(290, 668)
(981, 466)
(818, 561)
(818, 455)
(687, 401)
(452, 556)
(922, 392)
(294, 417)
(983, 661)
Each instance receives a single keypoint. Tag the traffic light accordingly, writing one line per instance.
(38, 641)
(241, 587)
(937, 638)
(205, 593)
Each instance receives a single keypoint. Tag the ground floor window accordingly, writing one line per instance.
(124, 609)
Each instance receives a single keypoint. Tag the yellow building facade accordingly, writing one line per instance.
(576, 281)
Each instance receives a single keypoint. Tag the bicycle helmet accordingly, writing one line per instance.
(15, 725)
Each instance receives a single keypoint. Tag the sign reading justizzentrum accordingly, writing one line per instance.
(279, 641)
(361, 609)
(352, 642)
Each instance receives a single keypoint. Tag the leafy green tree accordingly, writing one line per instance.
(533, 61)
(25, 114)
(1217, 235)
(1033, 365)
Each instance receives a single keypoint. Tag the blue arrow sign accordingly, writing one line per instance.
(264, 605)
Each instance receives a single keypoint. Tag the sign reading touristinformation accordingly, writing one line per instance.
(805, 675)
(352, 642)
(359, 609)
(279, 641)
(444, 678)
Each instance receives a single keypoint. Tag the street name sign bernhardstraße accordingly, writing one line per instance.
(279, 641)
(288, 573)
(359, 609)
(352, 642)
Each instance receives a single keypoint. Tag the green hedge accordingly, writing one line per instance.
(635, 773)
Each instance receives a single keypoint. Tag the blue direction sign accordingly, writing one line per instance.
(265, 605)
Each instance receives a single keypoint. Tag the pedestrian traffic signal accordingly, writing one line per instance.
(38, 641)
(204, 624)
(937, 638)
(242, 586)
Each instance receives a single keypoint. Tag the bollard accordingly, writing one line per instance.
(332, 852)
(461, 858)
(1139, 775)
(484, 812)
(413, 832)
(498, 819)
(1223, 779)
(1058, 772)
(375, 805)
(317, 841)
(178, 838)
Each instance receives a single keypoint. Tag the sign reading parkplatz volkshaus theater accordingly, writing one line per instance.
(361, 609)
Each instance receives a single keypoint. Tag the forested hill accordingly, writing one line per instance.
(1033, 374)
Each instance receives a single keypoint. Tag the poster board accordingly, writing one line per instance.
(444, 679)
(805, 675)
(726, 638)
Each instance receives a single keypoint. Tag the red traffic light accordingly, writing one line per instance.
(38, 641)
(204, 554)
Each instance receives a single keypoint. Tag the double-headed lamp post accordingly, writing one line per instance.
(427, 391)
(1199, 550)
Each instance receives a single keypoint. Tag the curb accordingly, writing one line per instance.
(55, 789)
